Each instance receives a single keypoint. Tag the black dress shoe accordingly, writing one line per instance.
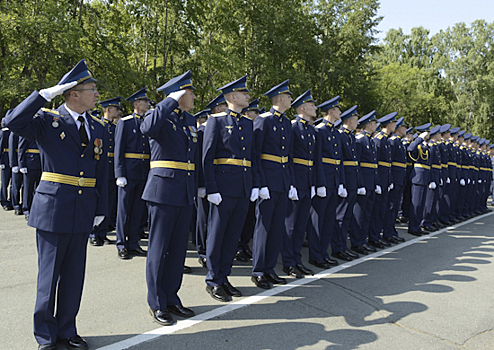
(342, 256)
(274, 278)
(143, 235)
(231, 290)
(360, 250)
(429, 229)
(320, 263)
(261, 282)
(161, 317)
(123, 254)
(96, 241)
(331, 262)
(75, 343)
(18, 212)
(304, 270)
(187, 269)
(51, 346)
(242, 256)
(248, 252)
(352, 254)
(369, 249)
(399, 239)
(110, 228)
(8, 207)
(293, 271)
(403, 220)
(181, 311)
(26, 216)
(106, 240)
(219, 293)
(390, 240)
(385, 244)
(138, 252)
(376, 244)
(202, 262)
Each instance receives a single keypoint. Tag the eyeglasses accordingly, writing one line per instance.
(94, 89)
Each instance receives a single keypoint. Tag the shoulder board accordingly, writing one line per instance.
(98, 120)
(222, 114)
(128, 117)
(359, 136)
(380, 136)
(394, 137)
(267, 114)
(320, 125)
(47, 110)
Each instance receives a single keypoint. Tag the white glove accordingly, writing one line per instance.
(2, 166)
(469, 181)
(321, 191)
(378, 189)
(264, 193)
(254, 194)
(312, 192)
(342, 192)
(56, 90)
(201, 192)
(424, 135)
(177, 94)
(432, 185)
(23, 170)
(391, 186)
(480, 181)
(121, 182)
(448, 180)
(361, 191)
(292, 193)
(215, 198)
(440, 182)
(462, 182)
(15, 169)
(98, 220)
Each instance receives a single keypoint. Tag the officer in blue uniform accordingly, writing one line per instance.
(217, 105)
(228, 171)
(453, 169)
(331, 176)
(419, 152)
(170, 190)
(444, 200)
(6, 171)
(66, 204)
(244, 253)
(272, 132)
(398, 173)
(344, 210)
(369, 177)
(30, 167)
(406, 199)
(112, 114)
(384, 159)
(432, 192)
(302, 152)
(132, 156)
(17, 177)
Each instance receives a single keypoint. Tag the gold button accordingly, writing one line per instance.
(239, 128)
(188, 174)
(80, 192)
(82, 155)
(283, 137)
(242, 138)
(243, 148)
(81, 173)
(335, 152)
(189, 149)
(282, 147)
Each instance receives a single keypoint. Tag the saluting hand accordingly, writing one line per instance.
(56, 90)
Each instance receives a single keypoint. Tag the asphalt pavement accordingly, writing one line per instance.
(432, 292)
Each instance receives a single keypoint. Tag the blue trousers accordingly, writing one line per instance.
(100, 231)
(344, 213)
(248, 228)
(379, 214)
(5, 198)
(417, 208)
(16, 190)
(130, 209)
(268, 233)
(430, 207)
(394, 199)
(296, 220)
(360, 226)
(322, 213)
(31, 180)
(61, 269)
(168, 237)
(202, 226)
(225, 225)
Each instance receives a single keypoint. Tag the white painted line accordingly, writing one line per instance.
(155, 333)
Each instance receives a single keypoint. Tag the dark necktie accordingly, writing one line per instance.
(82, 132)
